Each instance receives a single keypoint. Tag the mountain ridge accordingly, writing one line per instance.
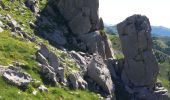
(156, 30)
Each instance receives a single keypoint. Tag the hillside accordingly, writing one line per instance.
(60, 50)
(160, 31)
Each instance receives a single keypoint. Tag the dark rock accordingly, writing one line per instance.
(140, 67)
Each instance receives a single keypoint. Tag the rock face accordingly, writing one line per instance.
(98, 72)
(141, 67)
(97, 42)
(15, 76)
(82, 14)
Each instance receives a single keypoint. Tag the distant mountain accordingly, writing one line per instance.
(160, 31)
(156, 30)
(110, 29)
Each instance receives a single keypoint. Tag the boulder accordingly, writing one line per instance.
(97, 42)
(98, 72)
(17, 77)
(76, 81)
(141, 67)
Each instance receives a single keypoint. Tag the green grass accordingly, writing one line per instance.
(10, 92)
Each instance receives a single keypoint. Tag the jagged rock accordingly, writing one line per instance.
(98, 72)
(32, 5)
(80, 14)
(13, 24)
(44, 50)
(97, 42)
(50, 62)
(140, 67)
(42, 88)
(76, 81)
(113, 67)
(49, 74)
(101, 24)
(26, 36)
(41, 59)
(17, 77)
(81, 61)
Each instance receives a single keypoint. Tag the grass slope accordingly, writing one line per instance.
(15, 48)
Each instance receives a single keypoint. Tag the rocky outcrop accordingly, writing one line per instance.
(81, 15)
(50, 65)
(81, 59)
(76, 81)
(140, 69)
(17, 77)
(98, 72)
(97, 42)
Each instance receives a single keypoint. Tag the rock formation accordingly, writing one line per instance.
(82, 14)
(140, 69)
(17, 77)
(98, 72)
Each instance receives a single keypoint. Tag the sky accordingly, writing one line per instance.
(115, 11)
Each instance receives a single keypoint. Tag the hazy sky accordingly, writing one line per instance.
(115, 11)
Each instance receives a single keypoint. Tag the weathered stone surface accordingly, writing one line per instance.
(47, 70)
(76, 81)
(15, 76)
(81, 61)
(80, 24)
(140, 67)
(98, 72)
(97, 42)
(50, 64)
(82, 14)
